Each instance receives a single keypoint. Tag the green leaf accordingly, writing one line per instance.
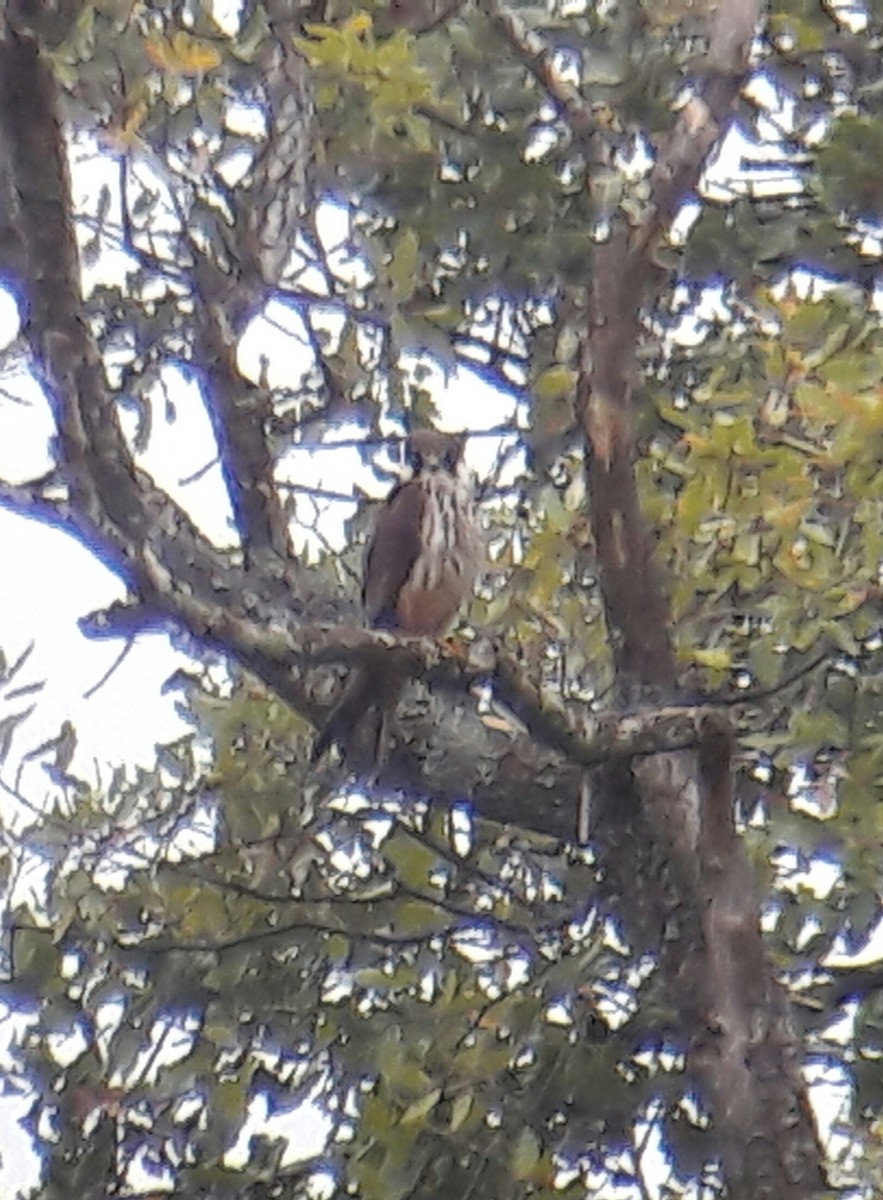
(417, 1112)
(460, 1110)
(526, 1154)
(555, 382)
(414, 863)
(404, 268)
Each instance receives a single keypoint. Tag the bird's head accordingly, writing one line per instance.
(428, 450)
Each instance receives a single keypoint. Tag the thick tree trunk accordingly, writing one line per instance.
(675, 866)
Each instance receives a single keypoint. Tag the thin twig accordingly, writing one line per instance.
(537, 59)
(118, 661)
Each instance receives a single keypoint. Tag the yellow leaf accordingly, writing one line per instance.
(360, 22)
(182, 54)
(715, 660)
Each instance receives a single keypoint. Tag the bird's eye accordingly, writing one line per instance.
(450, 459)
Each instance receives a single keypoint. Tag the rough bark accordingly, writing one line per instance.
(676, 868)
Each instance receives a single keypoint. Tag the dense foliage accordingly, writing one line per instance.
(251, 975)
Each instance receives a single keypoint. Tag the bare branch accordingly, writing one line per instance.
(537, 59)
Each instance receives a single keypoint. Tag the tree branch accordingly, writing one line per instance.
(535, 56)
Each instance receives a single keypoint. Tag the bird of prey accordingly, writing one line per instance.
(420, 566)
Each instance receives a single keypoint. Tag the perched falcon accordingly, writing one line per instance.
(420, 566)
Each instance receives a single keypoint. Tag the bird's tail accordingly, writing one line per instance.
(360, 713)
